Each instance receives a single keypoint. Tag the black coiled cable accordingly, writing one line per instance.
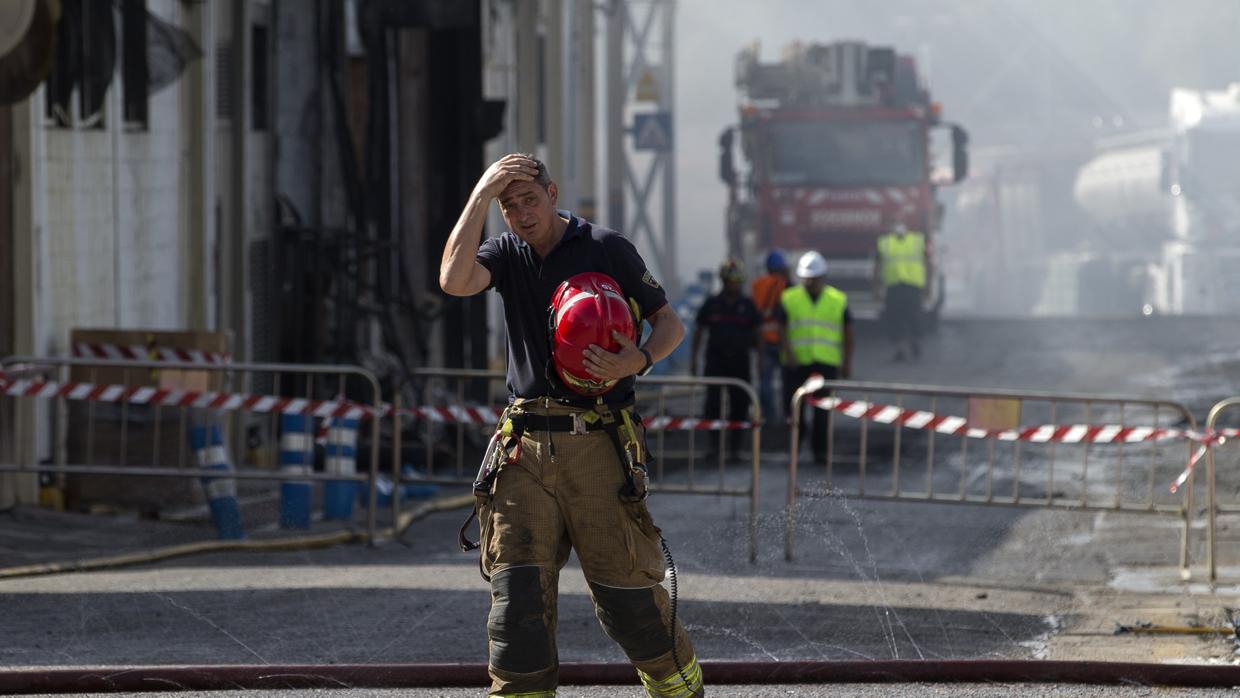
(671, 574)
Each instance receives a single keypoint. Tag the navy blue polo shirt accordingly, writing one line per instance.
(526, 281)
(732, 324)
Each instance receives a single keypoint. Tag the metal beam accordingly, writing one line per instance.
(643, 35)
(667, 101)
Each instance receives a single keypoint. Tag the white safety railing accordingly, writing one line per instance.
(114, 418)
(997, 448)
(1215, 437)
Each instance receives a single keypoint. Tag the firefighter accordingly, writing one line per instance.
(901, 275)
(731, 322)
(767, 290)
(568, 471)
(817, 335)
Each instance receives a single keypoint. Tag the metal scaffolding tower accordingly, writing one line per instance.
(640, 104)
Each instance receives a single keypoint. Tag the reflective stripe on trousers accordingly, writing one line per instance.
(674, 686)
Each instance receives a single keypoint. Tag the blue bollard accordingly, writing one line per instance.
(416, 490)
(296, 458)
(341, 459)
(209, 451)
(410, 490)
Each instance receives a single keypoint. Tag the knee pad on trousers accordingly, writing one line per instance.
(633, 619)
(520, 642)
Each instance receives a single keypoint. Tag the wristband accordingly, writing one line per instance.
(649, 362)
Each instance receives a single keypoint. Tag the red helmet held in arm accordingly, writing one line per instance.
(585, 309)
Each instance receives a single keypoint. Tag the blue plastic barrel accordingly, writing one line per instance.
(209, 451)
(296, 458)
(340, 459)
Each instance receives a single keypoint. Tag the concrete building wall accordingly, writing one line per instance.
(113, 226)
(116, 224)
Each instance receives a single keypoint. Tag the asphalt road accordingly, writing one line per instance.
(871, 579)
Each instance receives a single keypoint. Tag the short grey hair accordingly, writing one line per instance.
(543, 178)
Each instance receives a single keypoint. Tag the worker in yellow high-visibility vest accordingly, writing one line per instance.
(816, 327)
(900, 274)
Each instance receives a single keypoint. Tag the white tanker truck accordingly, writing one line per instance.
(1166, 206)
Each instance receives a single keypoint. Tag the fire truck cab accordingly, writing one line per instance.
(836, 140)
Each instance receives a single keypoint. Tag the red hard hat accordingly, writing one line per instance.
(585, 309)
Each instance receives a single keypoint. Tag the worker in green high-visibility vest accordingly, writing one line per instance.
(901, 276)
(816, 326)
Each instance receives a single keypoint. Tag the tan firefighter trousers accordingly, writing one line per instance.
(561, 494)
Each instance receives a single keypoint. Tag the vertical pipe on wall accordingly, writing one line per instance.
(584, 95)
(235, 276)
(553, 87)
(198, 215)
(527, 75)
(615, 114)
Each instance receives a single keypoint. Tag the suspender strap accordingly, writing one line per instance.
(629, 454)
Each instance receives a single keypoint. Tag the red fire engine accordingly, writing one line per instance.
(837, 139)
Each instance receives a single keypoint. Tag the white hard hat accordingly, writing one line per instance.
(811, 266)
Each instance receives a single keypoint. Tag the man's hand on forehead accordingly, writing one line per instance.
(505, 172)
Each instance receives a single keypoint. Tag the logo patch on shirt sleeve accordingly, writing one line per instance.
(648, 279)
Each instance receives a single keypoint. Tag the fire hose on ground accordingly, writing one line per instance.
(441, 675)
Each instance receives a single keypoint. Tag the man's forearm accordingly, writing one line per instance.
(666, 333)
(460, 251)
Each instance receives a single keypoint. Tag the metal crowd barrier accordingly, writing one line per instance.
(658, 396)
(1212, 505)
(866, 458)
(306, 382)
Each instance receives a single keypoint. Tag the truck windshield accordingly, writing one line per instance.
(843, 153)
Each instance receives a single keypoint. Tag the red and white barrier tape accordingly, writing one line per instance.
(137, 352)
(149, 395)
(450, 415)
(268, 404)
(1045, 433)
(692, 424)
(1209, 441)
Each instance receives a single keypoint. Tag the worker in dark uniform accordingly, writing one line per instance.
(562, 484)
(818, 336)
(731, 323)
